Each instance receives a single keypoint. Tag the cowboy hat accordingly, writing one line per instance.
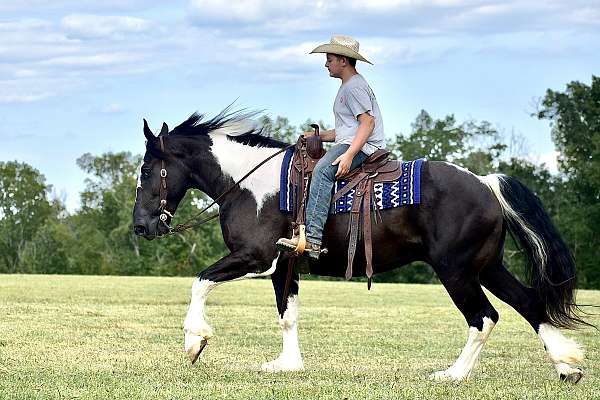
(343, 46)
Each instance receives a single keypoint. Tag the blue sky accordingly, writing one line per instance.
(79, 76)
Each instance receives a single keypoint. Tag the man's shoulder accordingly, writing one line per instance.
(357, 84)
(357, 81)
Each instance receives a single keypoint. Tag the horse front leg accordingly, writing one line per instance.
(290, 358)
(196, 328)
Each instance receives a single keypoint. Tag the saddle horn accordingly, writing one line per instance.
(314, 144)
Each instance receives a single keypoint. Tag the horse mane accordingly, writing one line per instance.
(238, 125)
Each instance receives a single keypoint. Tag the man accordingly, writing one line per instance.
(358, 133)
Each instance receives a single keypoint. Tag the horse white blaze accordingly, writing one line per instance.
(561, 350)
(195, 327)
(290, 358)
(139, 179)
(462, 367)
(237, 159)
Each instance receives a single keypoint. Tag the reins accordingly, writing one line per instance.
(189, 223)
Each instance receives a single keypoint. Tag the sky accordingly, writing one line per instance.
(78, 76)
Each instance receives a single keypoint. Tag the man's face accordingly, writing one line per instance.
(334, 65)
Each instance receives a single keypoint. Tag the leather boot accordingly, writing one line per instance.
(311, 250)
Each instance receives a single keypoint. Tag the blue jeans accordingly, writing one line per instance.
(321, 185)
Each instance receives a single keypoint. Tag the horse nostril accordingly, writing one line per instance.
(140, 230)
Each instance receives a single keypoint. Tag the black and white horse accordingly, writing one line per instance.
(459, 229)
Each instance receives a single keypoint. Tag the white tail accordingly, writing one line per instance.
(494, 182)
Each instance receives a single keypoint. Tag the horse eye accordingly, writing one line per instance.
(145, 172)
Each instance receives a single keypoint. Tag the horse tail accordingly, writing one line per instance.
(550, 263)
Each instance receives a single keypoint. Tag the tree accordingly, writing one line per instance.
(24, 208)
(104, 226)
(47, 252)
(472, 145)
(575, 120)
(281, 129)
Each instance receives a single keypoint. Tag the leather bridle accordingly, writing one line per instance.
(162, 190)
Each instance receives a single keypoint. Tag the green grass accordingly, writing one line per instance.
(67, 337)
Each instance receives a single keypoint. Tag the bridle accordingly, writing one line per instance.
(162, 193)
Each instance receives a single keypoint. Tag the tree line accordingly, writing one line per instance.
(38, 235)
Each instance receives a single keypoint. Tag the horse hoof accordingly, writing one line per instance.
(572, 377)
(445, 376)
(279, 365)
(194, 346)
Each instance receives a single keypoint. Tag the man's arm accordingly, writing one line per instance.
(365, 128)
(367, 124)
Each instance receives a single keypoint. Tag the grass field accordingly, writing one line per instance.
(73, 337)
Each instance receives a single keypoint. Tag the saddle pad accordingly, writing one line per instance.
(404, 191)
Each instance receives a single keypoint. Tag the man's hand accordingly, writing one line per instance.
(343, 162)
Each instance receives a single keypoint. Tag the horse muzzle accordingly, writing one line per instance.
(148, 231)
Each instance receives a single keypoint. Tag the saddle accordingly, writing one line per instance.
(376, 168)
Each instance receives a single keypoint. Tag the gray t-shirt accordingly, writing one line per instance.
(355, 97)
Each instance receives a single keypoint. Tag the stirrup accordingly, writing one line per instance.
(301, 239)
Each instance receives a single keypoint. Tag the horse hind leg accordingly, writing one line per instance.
(563, 352)
(467, 295)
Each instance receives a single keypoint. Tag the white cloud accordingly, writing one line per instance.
(25, 73)
(250, 11)
(99, 26)
(24, 24)
(113, 108)
(23, 97)
(586, 15)
(95, 60)
(271, 39)
(47, 58)
(28, 89)
(45, 6)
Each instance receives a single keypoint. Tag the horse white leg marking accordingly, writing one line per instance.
(290, 358)
(562, 352)
(196, 329)
(462, 367)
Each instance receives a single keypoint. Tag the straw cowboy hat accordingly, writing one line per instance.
(343, 46)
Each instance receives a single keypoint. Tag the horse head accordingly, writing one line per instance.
(162, 183)
(204, 155)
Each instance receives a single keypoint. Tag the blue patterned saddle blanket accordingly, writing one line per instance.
(404, 191)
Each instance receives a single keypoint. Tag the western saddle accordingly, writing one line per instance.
(376, 168)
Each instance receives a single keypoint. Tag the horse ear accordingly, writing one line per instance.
(148, 133)
(164, 130)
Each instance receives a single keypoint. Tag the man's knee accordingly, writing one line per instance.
(324, 169)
